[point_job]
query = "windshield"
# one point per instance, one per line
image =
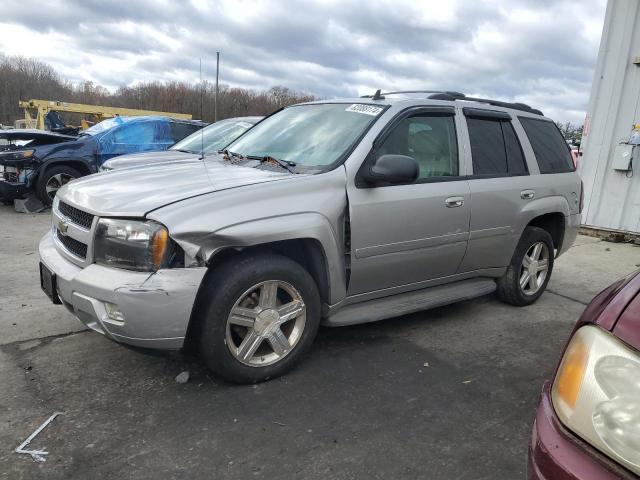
(312, 135)
(104, 125)
(214, 137)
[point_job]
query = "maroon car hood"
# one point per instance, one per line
(628, 326)
(617, 309)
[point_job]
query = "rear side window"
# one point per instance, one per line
(182, 130)
(549, 146)
(138, 133)
(495, 149)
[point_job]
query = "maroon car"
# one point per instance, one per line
(588, 420)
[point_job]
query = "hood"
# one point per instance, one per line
(137, 159)
(137, 191)
(627, 327)
(34, 136)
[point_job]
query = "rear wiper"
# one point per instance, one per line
(286, 164)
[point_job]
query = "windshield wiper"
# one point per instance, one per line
(229, 154)
(288, 165)
(183, 151)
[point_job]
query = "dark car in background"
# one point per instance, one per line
(587, 425)
(44, 168)
(211, 139)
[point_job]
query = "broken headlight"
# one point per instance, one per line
(16, 155)
(596, 394)
(131, 244)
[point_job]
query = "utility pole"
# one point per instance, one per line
(215, 98)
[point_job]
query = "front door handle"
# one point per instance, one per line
(453, 202)
(527, 194)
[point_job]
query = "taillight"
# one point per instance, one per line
(581, 196)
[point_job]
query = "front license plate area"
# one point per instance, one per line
(48, 284)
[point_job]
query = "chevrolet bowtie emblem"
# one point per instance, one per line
(63, 227)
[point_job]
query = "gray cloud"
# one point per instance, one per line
(542, 52)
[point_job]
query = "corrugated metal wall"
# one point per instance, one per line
(612, 199)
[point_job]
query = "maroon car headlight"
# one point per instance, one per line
(596, 394)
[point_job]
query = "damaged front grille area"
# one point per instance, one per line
(83, 219)
(75, 247)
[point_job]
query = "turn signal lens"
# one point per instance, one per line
(159, 246)
(571, 372)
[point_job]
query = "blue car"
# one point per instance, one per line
(45, 162)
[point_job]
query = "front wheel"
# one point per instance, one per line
(52, 180)
(530, 269)
(261, 315)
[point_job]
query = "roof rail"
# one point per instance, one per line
(452, 96)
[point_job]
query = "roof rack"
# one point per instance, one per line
(452, 96)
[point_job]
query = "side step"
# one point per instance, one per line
(410, 302)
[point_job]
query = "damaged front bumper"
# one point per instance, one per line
(14, 183)
(155, 307)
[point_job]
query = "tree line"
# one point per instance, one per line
(571, 132)
(23, 78)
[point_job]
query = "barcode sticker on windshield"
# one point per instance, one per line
(366, 109)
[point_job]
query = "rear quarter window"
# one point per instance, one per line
(549, 146)
(182, 130)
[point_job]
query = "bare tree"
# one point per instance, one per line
(25, 78)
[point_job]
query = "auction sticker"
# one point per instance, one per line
(366, 109)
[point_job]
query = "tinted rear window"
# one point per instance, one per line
(515, 157)
(487, 147)
(548, 145)
(495, 148)
(182, 130)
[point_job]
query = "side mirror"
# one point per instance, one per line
(391, 170)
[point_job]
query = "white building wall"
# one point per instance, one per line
(612, 199)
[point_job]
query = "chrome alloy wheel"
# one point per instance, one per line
(534, 269)
(266, 323)
(56, 182)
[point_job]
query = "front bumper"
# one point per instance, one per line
(156, 306)
(555, 454)
(12, 191)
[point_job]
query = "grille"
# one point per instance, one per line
(79, 249)
(78, 217)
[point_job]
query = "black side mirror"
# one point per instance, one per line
(391, 170)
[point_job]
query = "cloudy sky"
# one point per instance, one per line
(540, 52)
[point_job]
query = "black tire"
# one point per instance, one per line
(226, 285)
(45, 177)
(509, 288)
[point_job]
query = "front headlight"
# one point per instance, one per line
(16, 154)
(131, 244)
(596, 394)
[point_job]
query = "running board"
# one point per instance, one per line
(410, 302)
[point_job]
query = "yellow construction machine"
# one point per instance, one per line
(36, 110)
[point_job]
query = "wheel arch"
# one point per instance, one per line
(307, 252)
(548, 213)
(80, 165)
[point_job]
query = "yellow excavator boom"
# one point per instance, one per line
(42, 107)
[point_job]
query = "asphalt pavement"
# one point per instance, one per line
(444, 394)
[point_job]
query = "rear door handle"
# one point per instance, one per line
(453, 202)
(527, 194)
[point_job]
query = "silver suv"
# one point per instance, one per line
(336, 212)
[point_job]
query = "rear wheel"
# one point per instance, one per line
(528, 274)
(261, 315)
(52, 180)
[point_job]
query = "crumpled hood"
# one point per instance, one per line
(146, 158)
(133, 192)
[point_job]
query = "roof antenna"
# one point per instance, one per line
(377, 95)
(201, 115)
